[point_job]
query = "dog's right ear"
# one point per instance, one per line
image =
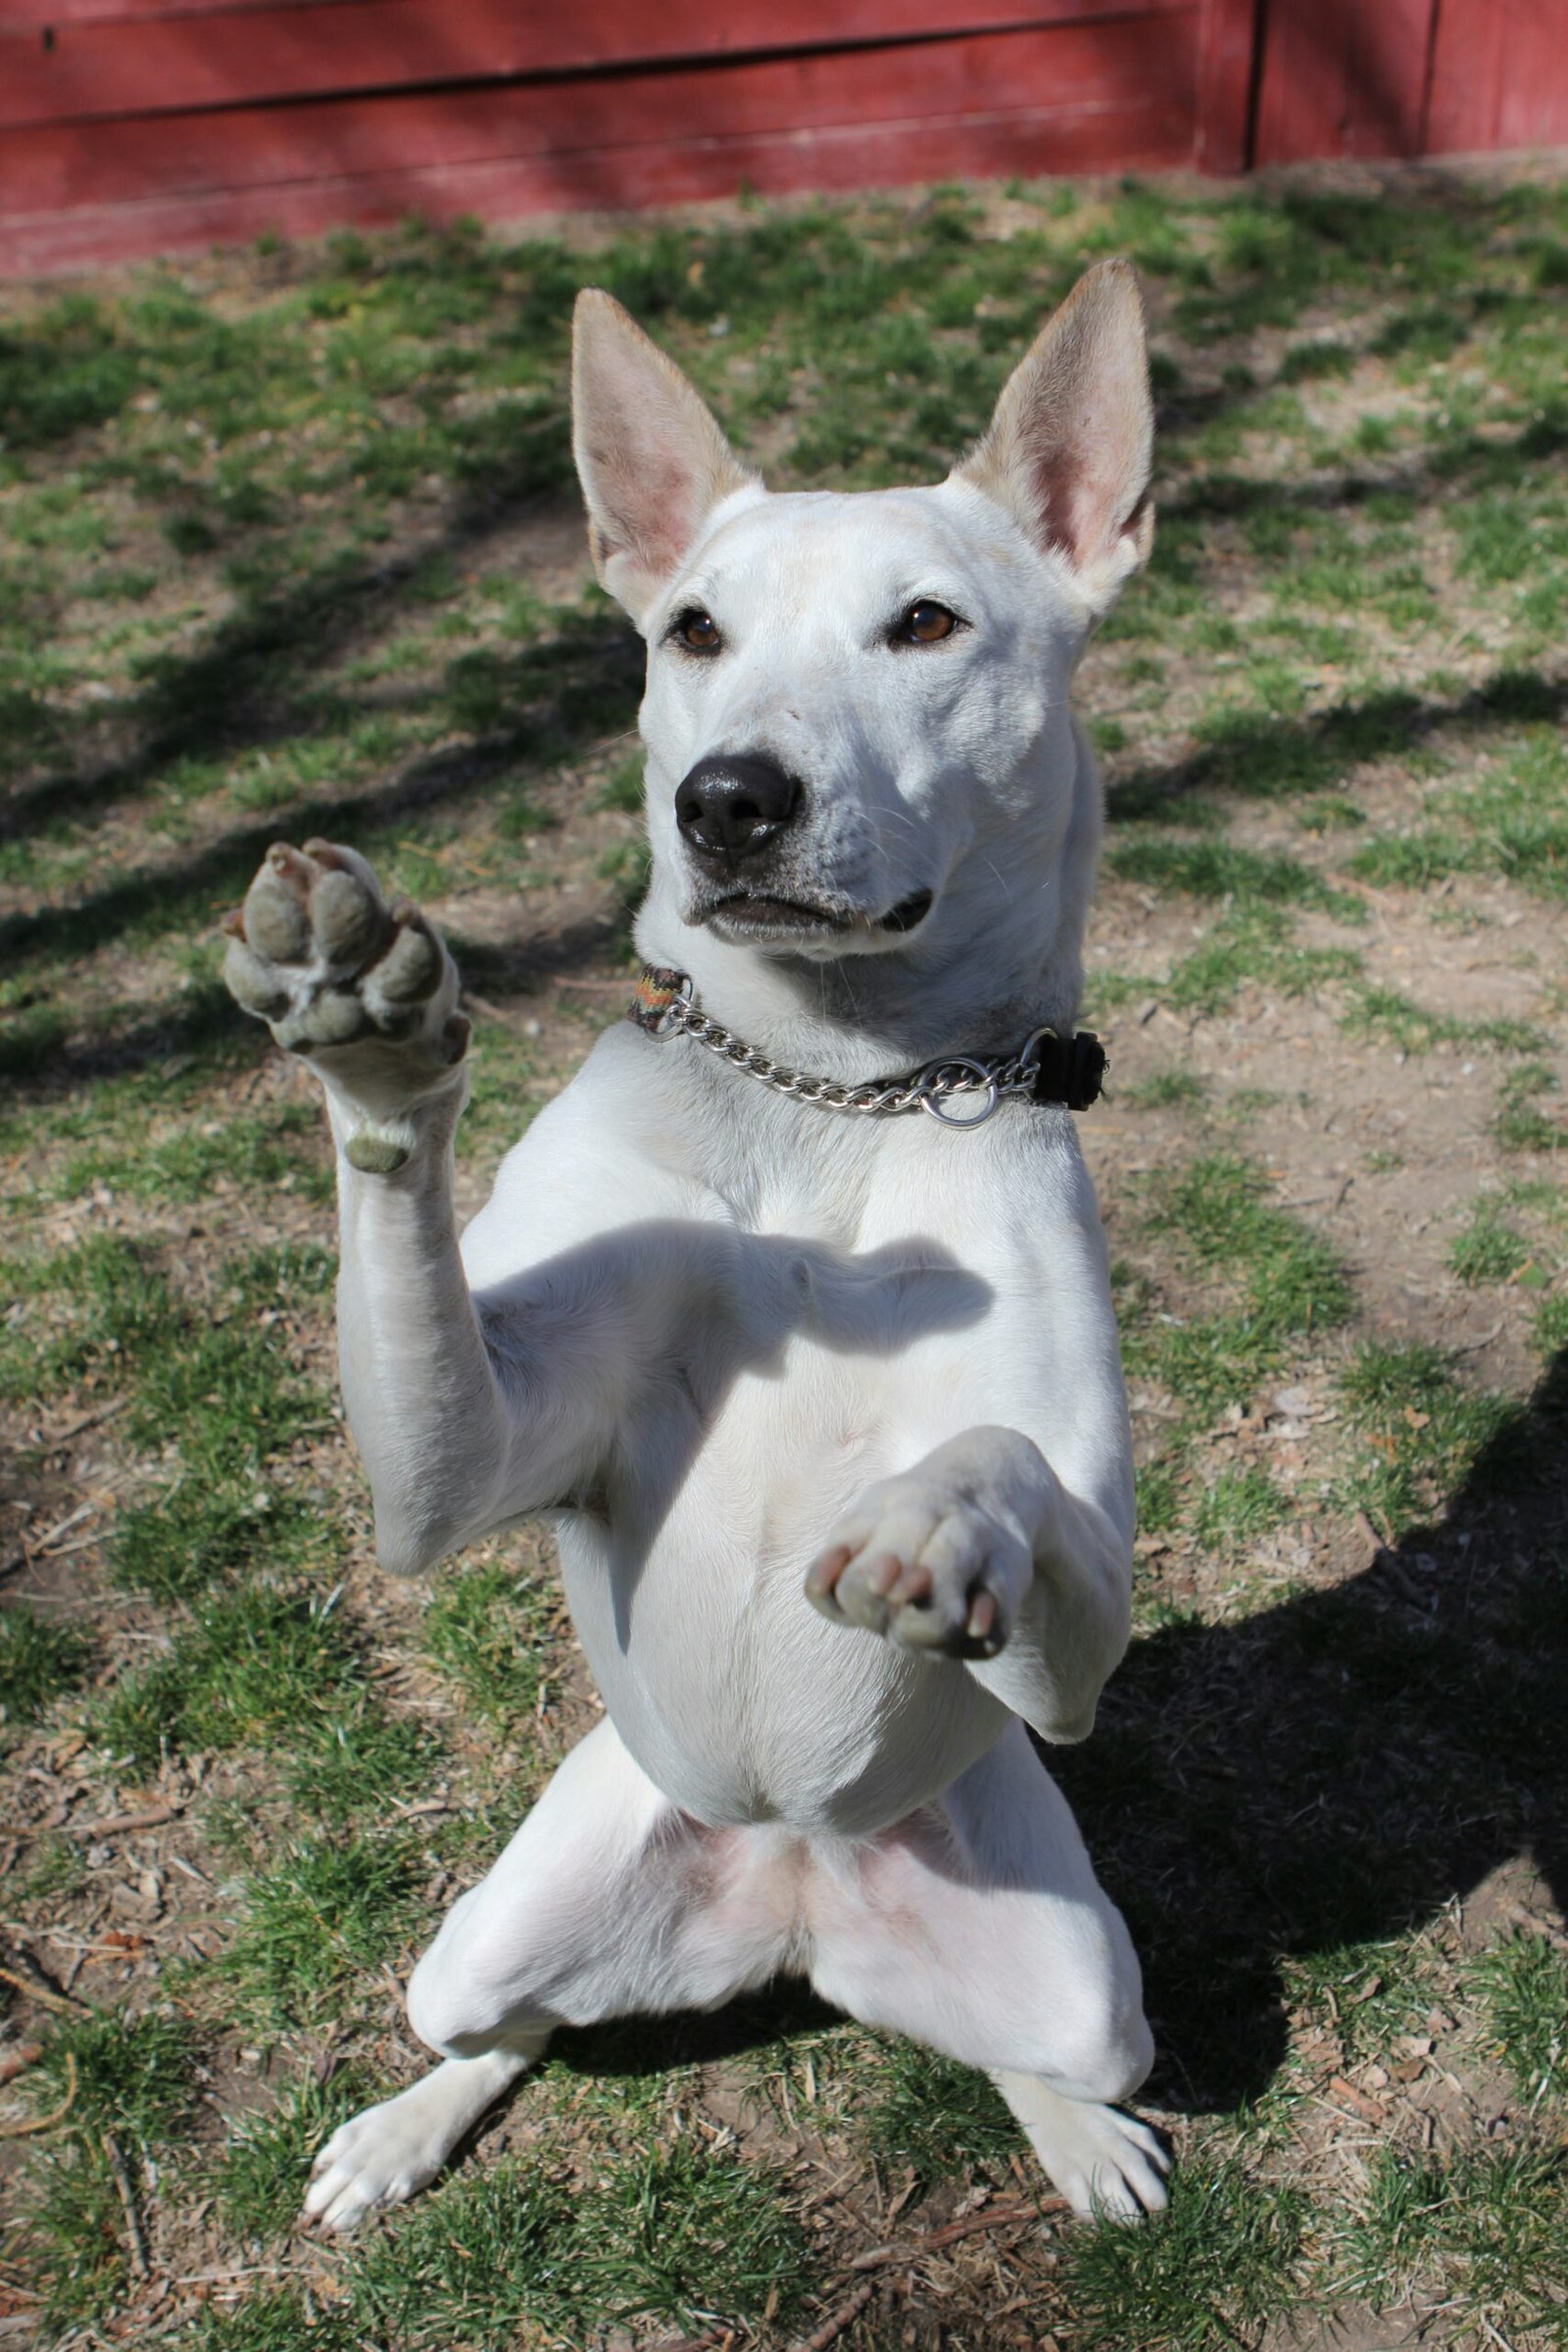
(653, 462)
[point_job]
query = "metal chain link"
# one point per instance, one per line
(927, 1089)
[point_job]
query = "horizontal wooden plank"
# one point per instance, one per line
(590, 34)
(33, 15)
(1121, 65)
(1151, 135)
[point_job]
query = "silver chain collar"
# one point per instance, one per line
(931, 1088)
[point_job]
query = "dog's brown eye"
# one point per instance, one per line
(926, 623)
(698, 632)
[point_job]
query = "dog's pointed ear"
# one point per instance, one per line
(652, 462)
(1069, 448)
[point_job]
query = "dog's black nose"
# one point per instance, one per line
(734, 803)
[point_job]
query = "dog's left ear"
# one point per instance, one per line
(1069, 448)
(653, 464)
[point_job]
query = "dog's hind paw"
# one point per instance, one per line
(1108, 2165)
(928, 1566)
(366, 992)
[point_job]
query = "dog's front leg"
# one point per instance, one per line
(980, 1554)
(453, 1439)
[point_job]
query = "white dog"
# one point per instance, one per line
(823, 1401)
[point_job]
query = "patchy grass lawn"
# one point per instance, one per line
(290, 547)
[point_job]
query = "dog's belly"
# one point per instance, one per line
(735, 1697)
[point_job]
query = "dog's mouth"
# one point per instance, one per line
(909, 914)
(749, 914)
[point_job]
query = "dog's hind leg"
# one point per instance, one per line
(977, 1926)
(608, 1902)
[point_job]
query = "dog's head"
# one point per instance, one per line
(856, 715)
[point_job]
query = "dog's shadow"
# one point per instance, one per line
(1329, 1772)
(1336, 1770)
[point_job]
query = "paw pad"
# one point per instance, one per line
(316, 952)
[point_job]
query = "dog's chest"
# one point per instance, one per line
(828, 1360)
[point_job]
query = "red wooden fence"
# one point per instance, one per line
(136, 126)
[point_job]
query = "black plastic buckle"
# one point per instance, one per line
(1069, 1070)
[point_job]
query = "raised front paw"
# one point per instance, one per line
(366, 991)
(926, 1564)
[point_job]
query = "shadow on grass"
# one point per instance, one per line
(1264, 757)
(1334, 1771)
(1472, 461)
(638, 2046)
(46, 1053)
(558, 696)
(255, 679)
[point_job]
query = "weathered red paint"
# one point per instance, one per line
(138, 126)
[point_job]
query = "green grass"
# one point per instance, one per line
(74, 2228)
(319, 1917)
(40, 1659)
(1274, 1284)
(1237, 1510)
(247, 1667)
(1384, 1014)
(286, 1148)
(209, 1370)
(1159, 1497)
(1524, 1122)
(1364, 1995)
(1422, 1431)
(269, 2320)
(135, 2074)
(1254, 945)
(260, 2176)
(933, 2114)
(1220, 869)
(1550, 1334)
(1168, 1090)
(1490, 1248)
(133, 2077)
(1483, 2231)
(470, 2264)
(483, 1627)
(1502, 814)
(354, 1758)
(1523, 1989)
(670, 2232)
(200, 1535)
(1219, 2264)
(676, 2232)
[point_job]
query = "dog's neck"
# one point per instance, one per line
(998, 957)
